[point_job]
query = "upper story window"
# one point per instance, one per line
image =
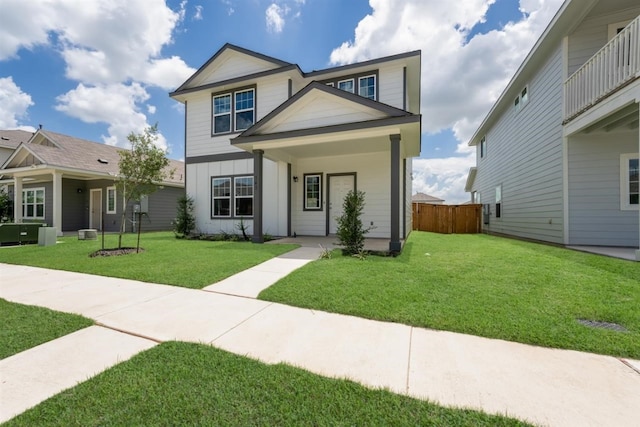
(363, 84)
(233, 110)
(483, 147)
(629, 181)
(522, 99)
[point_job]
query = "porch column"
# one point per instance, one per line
(258, 237)
(638, 250)
(17, 199)
(57, 202)
(394, 243)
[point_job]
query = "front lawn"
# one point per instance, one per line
(190, 384)
(166, 260)
(481, 285)
(25, 326)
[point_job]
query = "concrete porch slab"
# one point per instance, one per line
(541, 385)
(372, 353)
(629, 254)
(43, 371)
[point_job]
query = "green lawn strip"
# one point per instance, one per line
(166, 260)
(481, 285)
(190, 384)
(25, 326)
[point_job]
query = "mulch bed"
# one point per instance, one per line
(115, 252)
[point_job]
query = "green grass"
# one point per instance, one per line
(25, 326)
(166, 260)
(191, 384)
(481, 285)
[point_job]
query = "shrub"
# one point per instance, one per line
(185, 222)
(350, 230)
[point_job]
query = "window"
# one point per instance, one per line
(244, 109)
(244, 195)
(232, 196)
(483, 147)
(499, 201)
(233, 111)
(522, 99)
(33, 203)
(222, 113)
(367, 87)
(313, 192)
(346, 85)
(111, 200)
(629, 181)
(221, 196)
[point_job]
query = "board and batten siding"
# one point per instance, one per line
(524, 156)
(372, 177)
(591, 35)
(595, 217)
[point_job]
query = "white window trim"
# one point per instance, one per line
(624, 182)
(313, 208)
(352, 80)
(44, 203)
(483, 147)
(522, 99)
(236, 197)
(115, 200)
(236, 111)
(230, 113)
(214, 197)
(375, 85)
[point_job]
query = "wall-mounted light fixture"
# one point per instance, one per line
(295, 179)
(79, 190)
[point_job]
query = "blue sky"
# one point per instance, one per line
(100, 69)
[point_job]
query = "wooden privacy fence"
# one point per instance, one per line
(447, 219)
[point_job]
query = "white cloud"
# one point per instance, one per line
(151, 109)
(13, 105)
(115, 104)
(229, 6)
(444, 178)
(275, 18)
(197, 16)
(461, 78)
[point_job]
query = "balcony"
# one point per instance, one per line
(613, 67)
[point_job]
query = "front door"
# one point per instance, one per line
(339, 186)
(95, 209)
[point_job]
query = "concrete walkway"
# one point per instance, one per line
(540, 385)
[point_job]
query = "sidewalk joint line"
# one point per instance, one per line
(624, 362)
(241, 323)
(133, 334)
(409, 358)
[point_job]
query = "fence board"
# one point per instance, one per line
(447, 219)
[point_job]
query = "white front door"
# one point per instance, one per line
(95, 208)
(339, 186)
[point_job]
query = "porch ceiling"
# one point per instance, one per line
(625, 118)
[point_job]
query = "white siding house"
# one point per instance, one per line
(557, 155)
(278, 148)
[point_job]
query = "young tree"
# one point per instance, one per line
(142, 169)
(6, 206)
(185, 222)
(350, 229)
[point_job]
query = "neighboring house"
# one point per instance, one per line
(9, 141)
(69, 183)
(557, 155)
(279, 148)
(426, 199)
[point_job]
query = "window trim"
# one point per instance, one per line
(353, 82)
(483, 147)
(236, 197)
(522, 99)
(232, 123)
(625, 204)
(375, 86)
(115, 200)
(236, 111)
(214, 115)
(334, 82)
(305, 207)
(44, 203)
(232, 196)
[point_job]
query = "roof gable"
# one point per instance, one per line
(319, 105)
(231, 62)
(13, 138)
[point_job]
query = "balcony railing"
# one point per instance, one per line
(614, 66)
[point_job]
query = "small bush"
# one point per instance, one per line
(350, 229)
(185, 222)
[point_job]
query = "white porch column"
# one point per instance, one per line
(57, 202)
(17, 199)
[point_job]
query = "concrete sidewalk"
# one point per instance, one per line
(539, 385)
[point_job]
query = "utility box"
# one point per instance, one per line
(87, 234)
(47, 236)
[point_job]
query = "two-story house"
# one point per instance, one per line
(557, 155)
(278, 148)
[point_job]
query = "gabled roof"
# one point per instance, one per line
(377, 110)
(13, 138)
(425, 198)
(57, 150)
(277, 63)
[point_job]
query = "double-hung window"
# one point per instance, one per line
(499, 201)
(232, 196)
(111, 200)
(367, 87)
(629, 181)
(313, 192)
(233, 111)
(33, 203)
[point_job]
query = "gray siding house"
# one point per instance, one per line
(557, 155)
(69, 183)
(279, 148)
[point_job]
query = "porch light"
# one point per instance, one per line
(295, 179)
